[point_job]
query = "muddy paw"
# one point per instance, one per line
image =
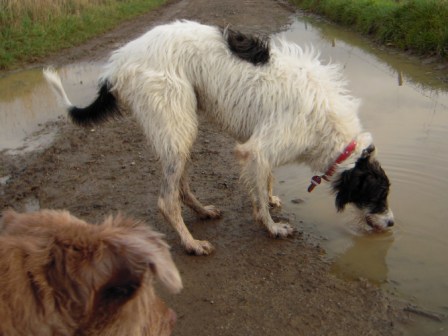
(199, 247)
(281, 230)
(210, 212)
(275, 202)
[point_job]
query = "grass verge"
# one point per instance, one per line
(31, 29)
(420, 26)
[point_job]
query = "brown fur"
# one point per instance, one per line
(62, 276)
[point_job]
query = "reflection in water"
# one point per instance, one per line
(400, 78)
(26, 102)
(405, 107)
(415, 73)
(366, 258)
(20, 93)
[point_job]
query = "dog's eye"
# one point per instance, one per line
(76, 248)
(119, 293)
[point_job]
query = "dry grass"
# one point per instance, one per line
(13, 11)
(31, 29)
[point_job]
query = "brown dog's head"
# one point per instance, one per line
(89, 279)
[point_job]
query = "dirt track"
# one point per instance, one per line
(252, 284)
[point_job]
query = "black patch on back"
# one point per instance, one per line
(103, 108)
(247, 47)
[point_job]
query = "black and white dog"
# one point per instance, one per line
(278, 101)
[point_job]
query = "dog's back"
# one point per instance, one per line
(246, 84)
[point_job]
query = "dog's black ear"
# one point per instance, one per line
(343, 188)
(341, 201)
(342, 193)
(367, 152)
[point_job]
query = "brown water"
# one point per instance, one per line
(405, 106)
(26, 104)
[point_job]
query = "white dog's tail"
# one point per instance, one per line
(104, 107)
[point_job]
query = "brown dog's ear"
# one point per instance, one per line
(120, 285)
(142, 248)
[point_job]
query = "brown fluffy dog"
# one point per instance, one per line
(62, 276)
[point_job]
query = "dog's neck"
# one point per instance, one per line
(348, 150)
(346, 159)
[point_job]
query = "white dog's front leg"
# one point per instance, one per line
(262, 215)
(255, 173)
(274, 201)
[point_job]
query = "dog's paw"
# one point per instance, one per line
(210, 212)
(199, 247)
(275, 202)
(281, 230)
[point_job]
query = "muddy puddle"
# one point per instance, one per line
(405, 107)
(26, 105)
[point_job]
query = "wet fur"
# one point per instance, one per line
(63, 276)
(276, 99)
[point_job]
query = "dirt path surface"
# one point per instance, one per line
(252, 284)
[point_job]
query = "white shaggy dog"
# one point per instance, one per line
(276, 99)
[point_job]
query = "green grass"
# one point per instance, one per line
(420, 26)
(28, 32)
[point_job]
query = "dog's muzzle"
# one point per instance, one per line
(380, 221)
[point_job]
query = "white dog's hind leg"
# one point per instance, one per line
(165, 105)
(204, 212)
(255, 173)
(169, 205)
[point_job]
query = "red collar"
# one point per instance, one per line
(316, 180)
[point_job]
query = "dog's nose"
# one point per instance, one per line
(390, 222)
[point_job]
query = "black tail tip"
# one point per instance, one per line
(103, 108)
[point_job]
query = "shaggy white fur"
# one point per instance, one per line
(291, 109)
